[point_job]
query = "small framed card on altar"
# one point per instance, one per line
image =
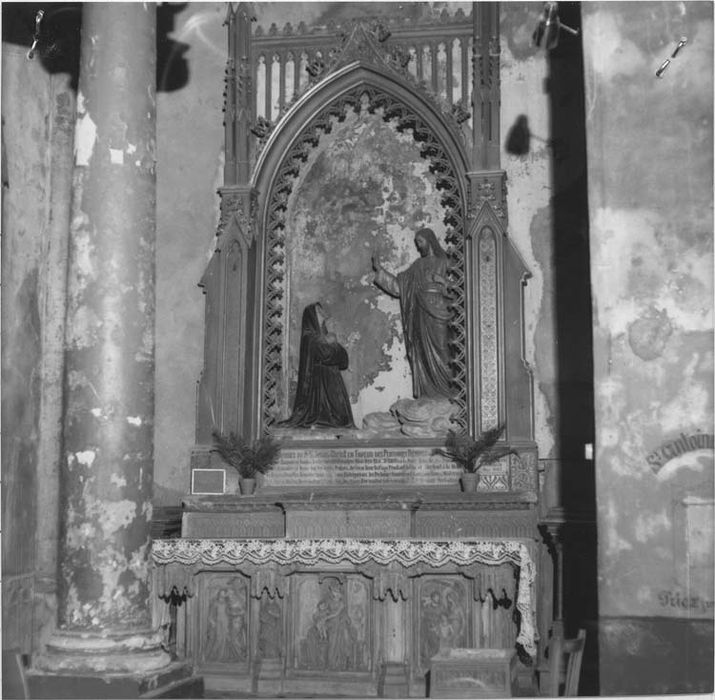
(208, 481)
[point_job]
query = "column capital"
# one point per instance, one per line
(488, 187)
(241, 202)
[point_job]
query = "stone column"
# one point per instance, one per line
(54, 280)
(106, 477)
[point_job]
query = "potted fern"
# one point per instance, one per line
(472, 453)
(248, 458)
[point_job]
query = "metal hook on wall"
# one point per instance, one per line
(36, 37)
(549, 27)
(661, 70)
(680, 45)
(659, 73)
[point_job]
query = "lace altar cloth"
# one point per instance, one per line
(434, 554)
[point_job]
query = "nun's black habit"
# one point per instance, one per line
(321, 398)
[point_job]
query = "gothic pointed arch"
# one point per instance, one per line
(330, 96)
(354, 87)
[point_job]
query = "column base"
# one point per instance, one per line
(173, 681)
(114, 665)
(91, 653)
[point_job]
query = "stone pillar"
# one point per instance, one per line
(106, 477)
(54, 277)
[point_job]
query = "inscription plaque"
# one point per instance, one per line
(362, 466)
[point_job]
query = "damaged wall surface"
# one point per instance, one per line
(650, 198)
(38, 125)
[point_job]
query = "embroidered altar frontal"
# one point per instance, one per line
(327, 615)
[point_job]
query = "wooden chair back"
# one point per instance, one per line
(14, 681)
(569, 651)
(573, 649)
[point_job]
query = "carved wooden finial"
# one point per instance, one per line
(230, 13)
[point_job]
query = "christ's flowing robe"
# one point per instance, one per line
(425, 319)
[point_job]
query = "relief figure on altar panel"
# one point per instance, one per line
(270, 635)
(429, 628)
(443, 619)
(315, 644)
(226, 639)
(424, 305)
(321, 399)
(340, 632)
(331, 642)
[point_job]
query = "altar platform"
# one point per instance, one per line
(433, 511)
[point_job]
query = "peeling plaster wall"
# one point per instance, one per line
(25, 202)
(32, 106)
(650, 195)
(548, 221)
(524, 70)
(189, 172)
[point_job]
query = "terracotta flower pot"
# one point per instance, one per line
(469, 482)
(246, 486)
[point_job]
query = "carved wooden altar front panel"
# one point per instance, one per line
(316, 615)
(331, 628)
(332, 623)
(453, 613)
(225, 569)
(224, 621)
(443, 617)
